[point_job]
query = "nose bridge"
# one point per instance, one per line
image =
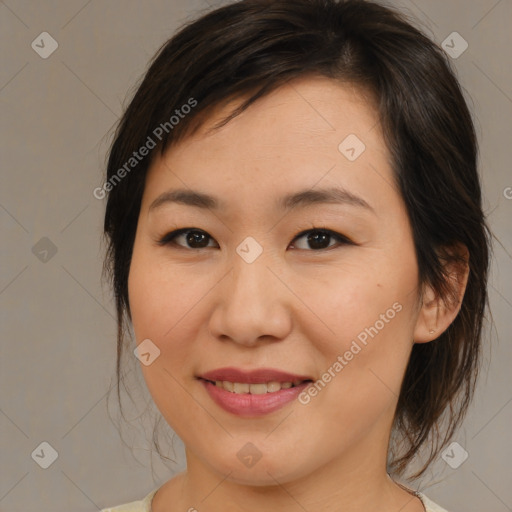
(251, 280)
(250, 274)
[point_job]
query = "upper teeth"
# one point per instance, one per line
(254, 389)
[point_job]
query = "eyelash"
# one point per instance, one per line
(168, 239)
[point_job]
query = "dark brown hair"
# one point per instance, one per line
(249, 48)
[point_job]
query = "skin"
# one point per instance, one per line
(295, 308)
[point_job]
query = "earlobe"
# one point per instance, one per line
(436, 312)
(427, 325)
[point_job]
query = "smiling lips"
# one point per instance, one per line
(254, 392)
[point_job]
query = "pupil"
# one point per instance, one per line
(313, 239)
(194, 237)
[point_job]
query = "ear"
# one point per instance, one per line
(436, 314)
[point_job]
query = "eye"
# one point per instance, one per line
(318, 237)
(198, 239)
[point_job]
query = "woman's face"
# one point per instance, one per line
(242, 290)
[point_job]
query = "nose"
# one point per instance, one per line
(252, 304)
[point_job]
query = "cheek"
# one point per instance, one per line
(362, 368)
(161, 297)
(362, 334)
(360, 301)
(167, 306)
(163, 306)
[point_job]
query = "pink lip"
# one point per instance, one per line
(246, 404)
(256, 376)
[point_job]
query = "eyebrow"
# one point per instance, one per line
(303, 198)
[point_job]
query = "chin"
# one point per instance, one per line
(267, 471)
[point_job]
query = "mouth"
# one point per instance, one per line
(260, 388)
(253, 393)
(259, 381)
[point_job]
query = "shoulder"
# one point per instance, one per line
(143, 505)
(430, 506)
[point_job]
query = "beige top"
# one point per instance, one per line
(144, 505)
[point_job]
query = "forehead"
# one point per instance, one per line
(307, 109)
(292, 138)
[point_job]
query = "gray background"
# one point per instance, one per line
(57, 327)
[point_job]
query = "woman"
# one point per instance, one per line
(296, 236)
